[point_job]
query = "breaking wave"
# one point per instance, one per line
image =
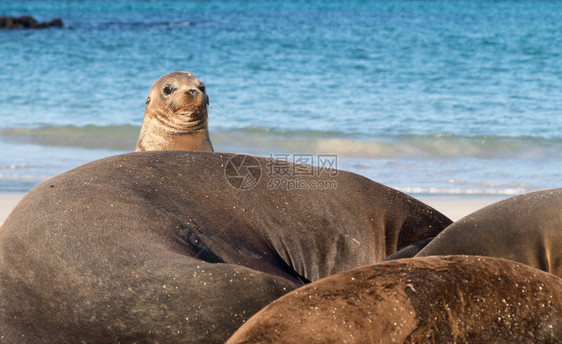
(259, 140)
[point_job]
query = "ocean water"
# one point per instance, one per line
(430, 97)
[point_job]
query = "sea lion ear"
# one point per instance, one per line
(204, 91)
(147, 101)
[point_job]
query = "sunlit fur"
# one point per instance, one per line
(178, 120)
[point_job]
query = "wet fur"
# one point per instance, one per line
(158, 246)
(525, 228)
(453, 299)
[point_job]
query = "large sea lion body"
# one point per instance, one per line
(159, 245)
(525, 228)
(175, 115)
(453, 299)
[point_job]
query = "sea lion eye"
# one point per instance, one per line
(168, 89)
(202, 89)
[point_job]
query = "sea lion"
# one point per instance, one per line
(175, 115)
(145, 246)
(450, 299)
(525, 228)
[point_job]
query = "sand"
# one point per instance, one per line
(453, 208)
(458, 208)
(7, 203)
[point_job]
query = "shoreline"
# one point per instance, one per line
(457, 208)
(7, 202)
(453, 207)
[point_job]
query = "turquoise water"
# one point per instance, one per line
(431, 97)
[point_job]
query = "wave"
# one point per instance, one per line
(23, 176)
(150, 24)
(181, 24)
(126, 25)
(13, 167)
(472, 188)
(263, 141)
(118, 137)
(445, 146)
(466, 192)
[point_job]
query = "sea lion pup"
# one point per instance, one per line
(450, 299)
(175, 115)
(525, 228)
(159, 246)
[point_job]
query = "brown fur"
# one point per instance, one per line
(158, 246)
(525, 228)
(453, 299)
(178, 120)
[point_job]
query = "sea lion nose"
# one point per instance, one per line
(192, 91)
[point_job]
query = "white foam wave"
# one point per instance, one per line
(263, 141)
(461, 192)
(12, 167)
(182, 24)
(23, 176)
(491, 185)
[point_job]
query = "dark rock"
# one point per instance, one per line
(53, 23)
(27, 22)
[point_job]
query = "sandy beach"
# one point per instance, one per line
(457, 208)
(7, 203)
(453, 208)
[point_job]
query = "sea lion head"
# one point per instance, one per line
(178, 102)
(175, 115)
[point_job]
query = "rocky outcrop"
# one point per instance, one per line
(27, 22)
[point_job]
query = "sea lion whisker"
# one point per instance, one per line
(233, 123)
